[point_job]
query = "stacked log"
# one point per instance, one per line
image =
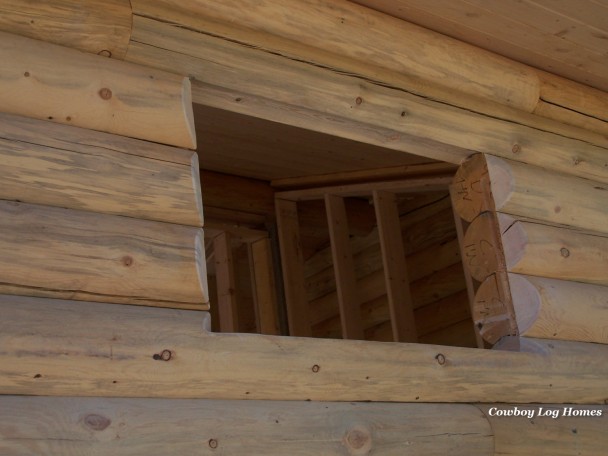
(536, 247)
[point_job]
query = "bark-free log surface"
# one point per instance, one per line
(121, 427)
(550, 251)
(63, 253)
(560, 309)
(98, 26)
(493, 312)
(59, 165)
(52, 347)
(486, 183)
(47, 81)
(251, 81)
(482, 249)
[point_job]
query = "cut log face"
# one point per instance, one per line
(482, 249)
(64, 253)
(492, 310)
(46, 81)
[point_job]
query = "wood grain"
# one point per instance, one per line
(52, 347)
(47, 81)
(76, 426)
(59, 165)
(63, 253)
(97, 26)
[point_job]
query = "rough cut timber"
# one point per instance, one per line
(47, 81)
(537, 249)
(488, 183)
(558, 309)
(97, 26)
(62, 253)
(51, 349)
(123, 427)
(59, 165)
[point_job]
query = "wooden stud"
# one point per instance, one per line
(400, 303)
(293, 267)
(226, 286)
(344, 268)
(264, 284)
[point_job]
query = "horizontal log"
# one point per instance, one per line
(63, 253)
(351, 31)
(560, 309)
(487, 183)
(59, 165)
(59, 426)
(551, 251)
(47, 81)
(98, 26)
(559, 430)
(52, 347)
(251, 81)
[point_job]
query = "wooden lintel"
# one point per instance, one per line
(401, 307)
(52, 347)
(344, 268)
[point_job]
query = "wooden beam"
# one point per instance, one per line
(394, 118)
(559, 309)
(413, 185)
(396, 276)
(265, 288)
(97, 26)
(46, 81)
(53, 347)
(349, 304)
(537, 249)
(368, 175)
(351, 32)
(292, 265)
(530, 191)
(63, 253)
(59, 165)
(226, 285)
(59, 426)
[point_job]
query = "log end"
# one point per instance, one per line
(468, 188)
(196, 185)
(481, 247)
(201, 267)
(190, 140)
(491, 310)
(526, 302)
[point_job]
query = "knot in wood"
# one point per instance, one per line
(165, 355)
(565, 252)
(358, 100)
(358, 441)
(105, 53)
(440, 359)
(96, 422)
(516, 148)
(213, 443)
(105, 93)
(316, 368)
(127, 260)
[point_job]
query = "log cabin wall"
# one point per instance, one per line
(164, 370)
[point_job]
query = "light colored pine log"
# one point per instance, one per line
(346, 283)
(551, 251)
(396, 275)
(47, 81)
(62, 253)
(292, 265)
(561, 436)
(52, 347)
(493, 312)
(58, 165)
(265, 287)
(560, 309)
(98, 26)
(482, 248)
(129, 427)
(226, 283)
(237, 79)
(530, 191)
(368, 175)
(351, 31)
(566, 115)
